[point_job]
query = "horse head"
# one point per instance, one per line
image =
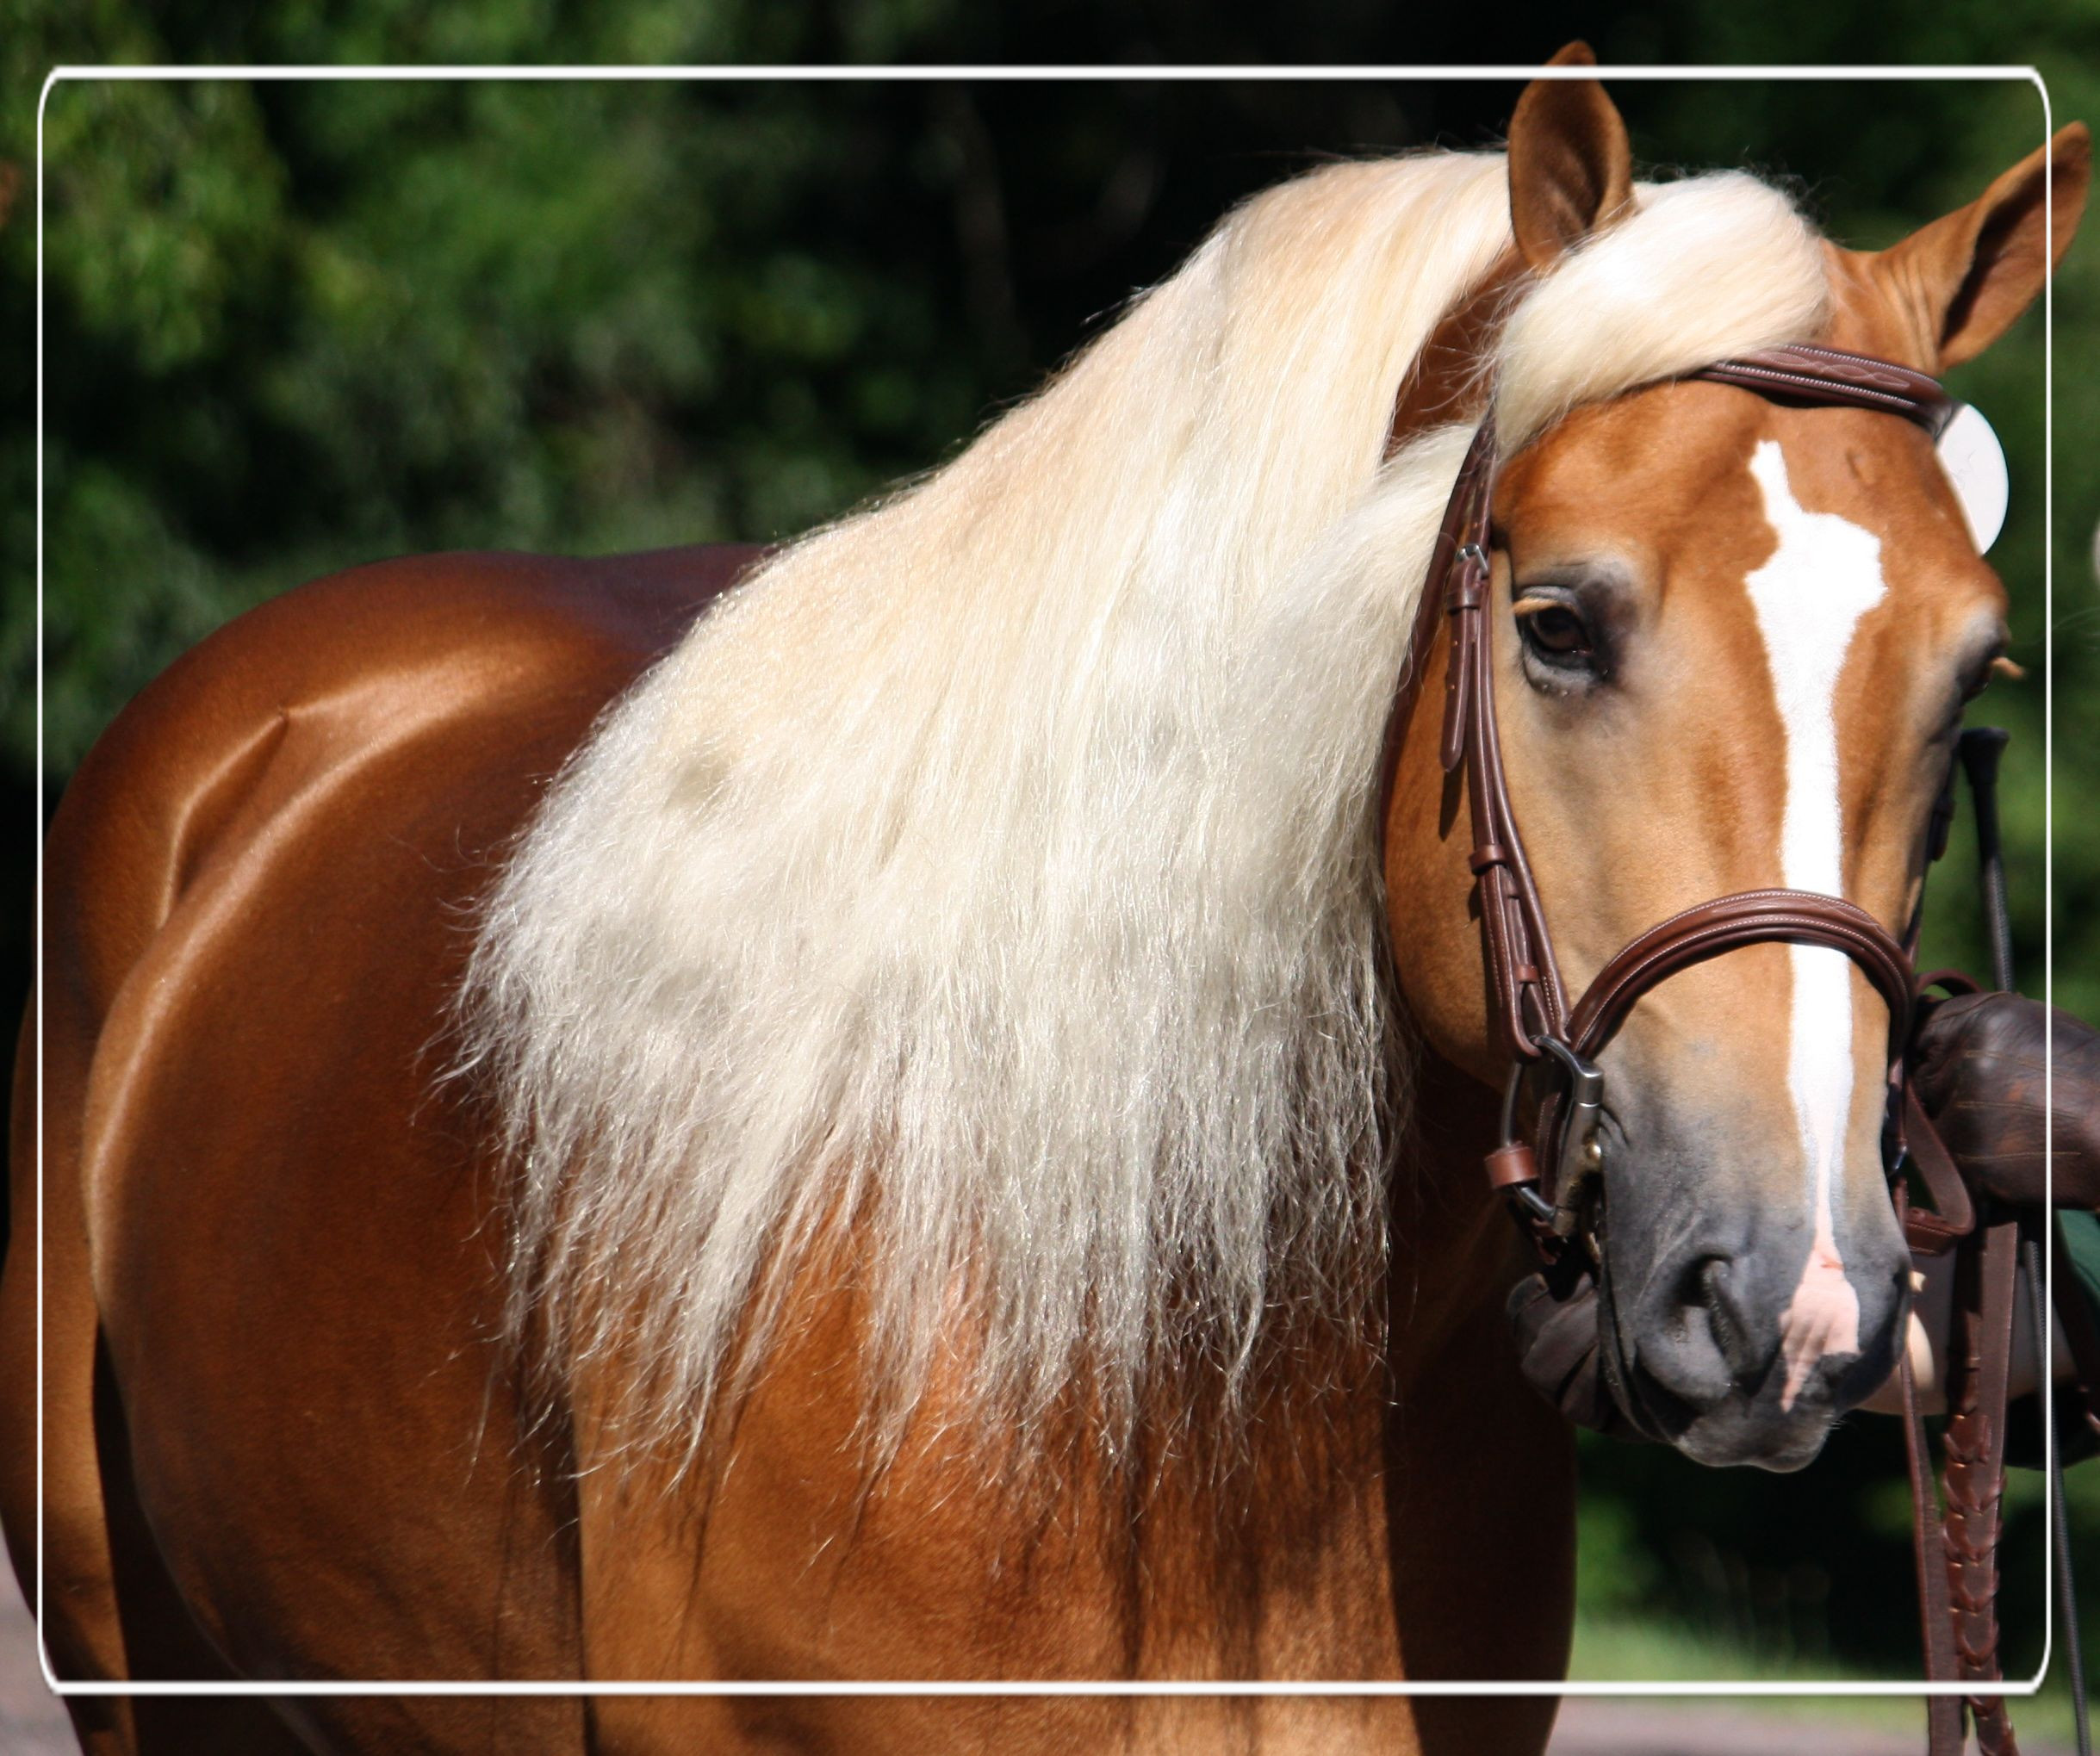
(1731, 638)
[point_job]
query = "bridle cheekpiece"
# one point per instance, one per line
(1532, 1020)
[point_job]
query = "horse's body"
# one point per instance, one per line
(925, 1189)
(261, 884)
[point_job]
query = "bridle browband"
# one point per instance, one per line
(1536, 1027)
(1530, 1018)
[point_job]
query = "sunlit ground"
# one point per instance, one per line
(1623, 1651)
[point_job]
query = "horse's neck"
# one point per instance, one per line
(1450, 1248)
(1476, 1470)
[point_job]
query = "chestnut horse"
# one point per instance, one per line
(900, 1128)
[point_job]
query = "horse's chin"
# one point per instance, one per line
(1730, 1436)
(1739, 1431)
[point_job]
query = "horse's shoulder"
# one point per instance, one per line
(482, 659)
(260, 893)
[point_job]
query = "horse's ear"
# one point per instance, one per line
(1969, 274)
(1571, 169)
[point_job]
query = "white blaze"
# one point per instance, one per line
(1809, 597)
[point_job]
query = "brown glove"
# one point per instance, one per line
(1556, 1347)
(1977, 1066)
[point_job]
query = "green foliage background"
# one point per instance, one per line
(291, 327)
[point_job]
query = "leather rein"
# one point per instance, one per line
(1536, 1026)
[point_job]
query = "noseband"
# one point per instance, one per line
(1530, 1017)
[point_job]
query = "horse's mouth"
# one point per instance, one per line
(1751, 1423)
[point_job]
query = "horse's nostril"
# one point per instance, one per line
(1709, 1339)
(1730, 1334)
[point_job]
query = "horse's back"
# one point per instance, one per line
(270, 1252)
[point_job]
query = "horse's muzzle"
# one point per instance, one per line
(1742, 1351)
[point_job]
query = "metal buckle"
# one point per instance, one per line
(1585, 1078)
(1585, 1109)
(1586, 1105)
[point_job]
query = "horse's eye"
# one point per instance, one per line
(1553, 631)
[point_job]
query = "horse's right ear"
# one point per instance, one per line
(1570, 168)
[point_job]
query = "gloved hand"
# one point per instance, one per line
(1977, 1067)
(1976, 1064)
(1556, 1343)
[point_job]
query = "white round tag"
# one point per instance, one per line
(1975, 463)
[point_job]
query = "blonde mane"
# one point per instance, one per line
(992, 879)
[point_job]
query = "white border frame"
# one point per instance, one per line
(1091, 75)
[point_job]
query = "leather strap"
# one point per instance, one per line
(1954, 1215)
(1523, 986)
(1943, 1730)
(1825, 375)
(1750, 917)
(1974, 1444)
(1727, 923)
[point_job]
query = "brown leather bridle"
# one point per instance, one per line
(1535, 1027)
(1530, 1017)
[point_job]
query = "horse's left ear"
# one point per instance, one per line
(1570, 168)
(1969, 274)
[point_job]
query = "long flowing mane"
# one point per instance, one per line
(990, 884)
